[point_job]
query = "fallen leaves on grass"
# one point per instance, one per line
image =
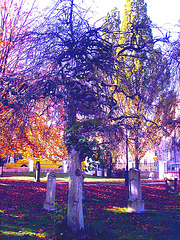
(22, 203)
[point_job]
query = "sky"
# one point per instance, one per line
(160, 11)
(164, 13)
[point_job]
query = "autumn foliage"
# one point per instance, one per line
(27, 127)
(41, 134)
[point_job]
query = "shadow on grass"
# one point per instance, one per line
(117, 223)
(150, 225)
(25, 224)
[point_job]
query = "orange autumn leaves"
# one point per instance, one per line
(35, 133)
(32, 129)
(45, 135)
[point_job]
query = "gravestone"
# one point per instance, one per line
(135, 202)
(171, 185)
(1, 167)
(49, 204)
(37, 171)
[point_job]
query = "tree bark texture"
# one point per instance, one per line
(136, 152)
(1, 171)
(75, 209)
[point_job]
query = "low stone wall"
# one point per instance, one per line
(26, 169)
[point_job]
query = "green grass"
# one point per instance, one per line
(43, 174)
(59, 176)
(64, 177)
(104, 219)
(149, 225)
(22, 224)
(32, 174)
(117, 223)
(111, 224)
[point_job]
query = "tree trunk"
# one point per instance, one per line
(127, 168)
(1, 171)
(75, 210)
(136, 153)
(75, 219)
(109, 170)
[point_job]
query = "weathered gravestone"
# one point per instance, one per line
(37, 171)
(171, 185)
(1, 167)
(135, 202)
(49, 204)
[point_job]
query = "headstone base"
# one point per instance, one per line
(136, 206)
(50, 206)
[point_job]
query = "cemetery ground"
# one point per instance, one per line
(105, 210)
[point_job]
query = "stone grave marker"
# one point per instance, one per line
(49, 204)
(1, 167)
(171, 185)
(135, 202)
(37, 171)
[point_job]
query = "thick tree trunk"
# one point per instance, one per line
(75, 210)
(1, 171)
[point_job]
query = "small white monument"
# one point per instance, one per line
(49, 204)
(135, 202)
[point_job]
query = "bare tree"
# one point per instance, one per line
(70, 53)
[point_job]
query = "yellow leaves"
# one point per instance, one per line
(47, 138)
(33, 139)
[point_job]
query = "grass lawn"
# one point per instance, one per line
(105, 214)
(59, 177)
(63, 176)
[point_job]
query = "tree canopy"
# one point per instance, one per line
(142, 77)
(98, 79)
